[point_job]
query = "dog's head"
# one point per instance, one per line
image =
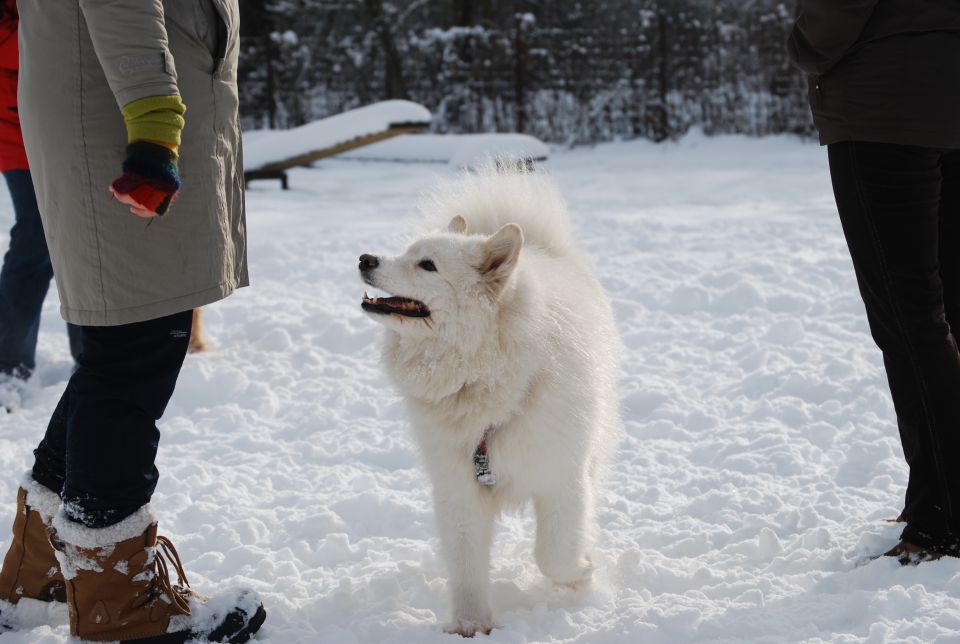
(445, 284)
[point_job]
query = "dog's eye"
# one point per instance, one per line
(427, 265)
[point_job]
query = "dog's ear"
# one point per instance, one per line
(502, 250)
(458, 225)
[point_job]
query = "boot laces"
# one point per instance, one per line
(165, 557)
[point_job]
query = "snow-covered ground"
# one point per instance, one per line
(759, 459)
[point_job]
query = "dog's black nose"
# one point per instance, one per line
(368, 262)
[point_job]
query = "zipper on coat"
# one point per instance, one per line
(815, 92)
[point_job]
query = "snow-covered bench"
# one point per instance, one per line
(459, 150)
(268, 154)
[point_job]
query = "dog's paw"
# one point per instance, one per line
(468, 628)
(574, 586)
(575, 575)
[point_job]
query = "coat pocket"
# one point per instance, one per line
(228, 38)
(201, 21)
(815, 91)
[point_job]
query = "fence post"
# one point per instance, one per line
(521, 21)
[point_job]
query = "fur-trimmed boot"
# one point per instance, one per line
(910, 554)
(119, 588)
(30, 568)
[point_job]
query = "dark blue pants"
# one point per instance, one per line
(900, 210)
(101, 443)
(24, 281)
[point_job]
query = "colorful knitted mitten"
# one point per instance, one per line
(149, 176)
(150, 180)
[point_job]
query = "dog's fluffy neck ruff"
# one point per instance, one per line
(458, 378)
(435, 368)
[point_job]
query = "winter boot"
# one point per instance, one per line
(910, 554)
(12, 384)
(30, 569)
(119, 588)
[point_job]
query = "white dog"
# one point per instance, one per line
(503, 343)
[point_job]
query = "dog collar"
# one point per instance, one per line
(481, 461)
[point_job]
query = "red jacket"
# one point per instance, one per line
(12, 155)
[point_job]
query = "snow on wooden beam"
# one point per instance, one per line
(271, 152)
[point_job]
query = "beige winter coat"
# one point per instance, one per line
(80, 62)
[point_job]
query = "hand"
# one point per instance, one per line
(149, 181)
(135, 207)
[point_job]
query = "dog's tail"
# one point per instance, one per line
(496, 194)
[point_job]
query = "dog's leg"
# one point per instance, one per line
(198, 343)
(465, 518)
(564, 518)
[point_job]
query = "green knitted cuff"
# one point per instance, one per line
(155, 118)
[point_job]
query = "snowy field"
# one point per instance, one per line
(758, 465)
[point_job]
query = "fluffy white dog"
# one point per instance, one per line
(503, 343)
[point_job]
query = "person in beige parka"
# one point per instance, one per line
(129, 116)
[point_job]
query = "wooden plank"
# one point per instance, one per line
(255, 175)
(395, 129)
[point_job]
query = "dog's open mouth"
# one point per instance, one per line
(395, 305)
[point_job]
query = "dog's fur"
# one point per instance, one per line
(520, 338)
(198, 342)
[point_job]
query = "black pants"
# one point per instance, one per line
(101, 443)
(900, 210)
(24, 279)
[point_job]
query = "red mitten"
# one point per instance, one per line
(150, 180)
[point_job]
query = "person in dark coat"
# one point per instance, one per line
(884, 79)
(26, 272)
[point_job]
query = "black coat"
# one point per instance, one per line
(885, 71)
